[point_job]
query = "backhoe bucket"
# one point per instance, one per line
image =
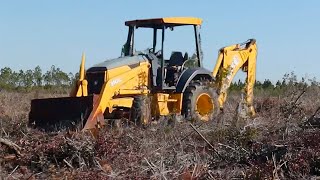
(54, 114)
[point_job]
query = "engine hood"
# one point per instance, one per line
(118, 62)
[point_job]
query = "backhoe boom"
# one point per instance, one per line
(230, 60)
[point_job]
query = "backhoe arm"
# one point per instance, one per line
(230, 60)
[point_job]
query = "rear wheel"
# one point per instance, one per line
(140, 112)
(200, 102)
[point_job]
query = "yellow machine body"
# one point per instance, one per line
(112, 86)
(120, 85)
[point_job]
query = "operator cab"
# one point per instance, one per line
(167, 66)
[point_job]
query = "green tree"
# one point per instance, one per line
(28, 79)
(37, 76)
(267, 84)
(48, 77)
(72, 79)
(20, 78)
(60, 78)
(233, 86)
(14, 80)
(5, 76)
(278, 84)
(240, 84)
(258, 85)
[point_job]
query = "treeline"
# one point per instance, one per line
(288, 80)
(35, 79)
(55, 79)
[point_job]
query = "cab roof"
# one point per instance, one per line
(169, 21)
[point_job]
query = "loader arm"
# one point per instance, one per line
(111, 88)
(229, 62)
(80, 88)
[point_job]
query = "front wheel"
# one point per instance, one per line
(200, 102)
(140, 112)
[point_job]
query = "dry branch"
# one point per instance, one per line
(220, 144)
(194, 128)
(295, 102)
(14, 170)
(11, 145)
(67, 163)
(315, 113)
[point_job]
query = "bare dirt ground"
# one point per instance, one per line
(282, 142)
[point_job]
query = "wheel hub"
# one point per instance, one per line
(204, 106)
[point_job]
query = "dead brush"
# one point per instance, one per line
(59, 150)
(258, 149)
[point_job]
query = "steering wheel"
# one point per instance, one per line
(150, 50)
(158, 54)
(183, 65)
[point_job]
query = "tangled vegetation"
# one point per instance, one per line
(282, 142)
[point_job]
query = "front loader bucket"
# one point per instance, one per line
(54, 114)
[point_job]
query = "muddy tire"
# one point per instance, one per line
(200, 102)
(140, 113)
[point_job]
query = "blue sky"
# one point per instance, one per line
(45, 33)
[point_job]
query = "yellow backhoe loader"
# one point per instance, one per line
(144, 84)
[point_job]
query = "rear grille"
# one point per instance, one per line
(95, 81)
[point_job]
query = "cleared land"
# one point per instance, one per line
(282, 142)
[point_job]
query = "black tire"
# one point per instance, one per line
(196, 91)
(140, 112)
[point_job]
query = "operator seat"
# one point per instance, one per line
(175, 62)
(176, 59)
